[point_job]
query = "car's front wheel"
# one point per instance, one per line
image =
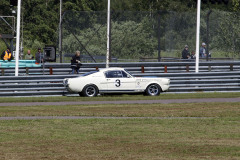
(89, 91)
(153, 90)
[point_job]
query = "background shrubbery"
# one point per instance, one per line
(134, 34)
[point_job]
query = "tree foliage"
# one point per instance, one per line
(41, 21)
(124, 41)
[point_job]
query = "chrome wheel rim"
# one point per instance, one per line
(90, 91)
(153, 90)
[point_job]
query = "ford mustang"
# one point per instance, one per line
(115, 80)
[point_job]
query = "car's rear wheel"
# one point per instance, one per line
(89, 91)
(153, 90)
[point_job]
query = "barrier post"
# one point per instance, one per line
(231, 67)
(27, 71)
(142, 69)
(187, 68)
(2, 70)
(50, 70)
(209, 68)
(165, 69)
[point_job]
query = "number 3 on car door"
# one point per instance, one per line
(117, 83)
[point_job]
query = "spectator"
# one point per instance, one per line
(29, 56)
(203, 52)
(185, 53)
(7, 55)
(76, 62)
(39, 56)
(193, 56)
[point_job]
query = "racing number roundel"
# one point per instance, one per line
(117, 83)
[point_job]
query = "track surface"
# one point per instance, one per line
(168, 101)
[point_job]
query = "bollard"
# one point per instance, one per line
(187, 68)
(2, 70)
(50, 70)
(165, 69)
(142, 69)
(231, 67)
(27, 71)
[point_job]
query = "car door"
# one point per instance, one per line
(119, 81)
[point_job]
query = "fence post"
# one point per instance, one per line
(2, 70)
(187, 68)
(231, 67)
(142, 69)
(165, 69)
(50, 70)
(27, 71)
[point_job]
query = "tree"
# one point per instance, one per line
(41, 17)
(227, 36)
(129, 40)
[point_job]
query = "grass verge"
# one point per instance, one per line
(133, 110)
(127, 139)
(120, 139)
(121, 97)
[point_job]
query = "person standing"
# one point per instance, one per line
(185, 53)
(7, 55)
(39, 56)
(76, 62)
(193, 56)
(29, 56)
(203, 52)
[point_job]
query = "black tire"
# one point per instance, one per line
(89, 91)
(80, 94)
(153, 90)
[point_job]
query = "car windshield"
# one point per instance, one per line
(128, 72)
(87, 74)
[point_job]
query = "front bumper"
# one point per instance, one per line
(165, 88)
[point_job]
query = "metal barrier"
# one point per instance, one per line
(135, 67)
(180, 82)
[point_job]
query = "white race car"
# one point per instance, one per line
(115, 80)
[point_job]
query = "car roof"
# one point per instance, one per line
(110, 69)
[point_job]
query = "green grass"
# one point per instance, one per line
(120, 97)
(120, 139)
(217, 137)
(126, 110)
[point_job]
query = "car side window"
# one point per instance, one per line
(108, 75)
(125, 75)
(113, 74)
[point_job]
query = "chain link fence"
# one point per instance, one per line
(7, 29)
(147, 36)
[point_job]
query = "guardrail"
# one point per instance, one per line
(24, 66)
(136, 67)
(180, 82)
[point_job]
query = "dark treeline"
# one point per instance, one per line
(41, 17)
